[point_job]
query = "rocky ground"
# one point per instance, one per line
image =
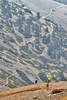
(65, 98)
(36, 92)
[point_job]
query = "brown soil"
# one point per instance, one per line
(65, 98)
(35, 92)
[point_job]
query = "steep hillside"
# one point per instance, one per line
(30, 47)
(55, 11)
(62, 1)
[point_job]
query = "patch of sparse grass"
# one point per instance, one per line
(24, 77)
(7, 42)
(11, 56)
(30, 63)
(36, 62)
(48, 23)
(21, 61)
(19, 39)
(11, 85)
(4, 72)
(1, 54)
(16, 81)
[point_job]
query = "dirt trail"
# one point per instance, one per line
(33, 92)
(65, 98)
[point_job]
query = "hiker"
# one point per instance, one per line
(36, 81)
(48, 83)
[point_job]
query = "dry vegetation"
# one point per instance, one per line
(35, 92)
(65, 98)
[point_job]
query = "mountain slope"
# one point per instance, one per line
(30, 47)
(55, 11)
(62, 1)
(35, 92)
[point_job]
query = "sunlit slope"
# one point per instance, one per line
(50, 9)
(30, 47)
(34, 92)
(62, 1)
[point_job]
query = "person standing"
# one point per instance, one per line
(48, 83)
(36, 81)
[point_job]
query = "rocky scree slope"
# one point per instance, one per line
(30, 47)
(62, 1)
